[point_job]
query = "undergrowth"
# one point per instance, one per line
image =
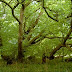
(55, 65)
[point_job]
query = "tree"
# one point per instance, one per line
(40, 20)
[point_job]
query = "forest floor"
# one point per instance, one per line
(51, 66)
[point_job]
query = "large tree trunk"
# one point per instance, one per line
(20, 53)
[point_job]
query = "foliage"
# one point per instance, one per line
(56, 9)
(51, 66)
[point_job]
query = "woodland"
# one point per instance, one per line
(35, 35)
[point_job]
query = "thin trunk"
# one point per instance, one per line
(20, 54)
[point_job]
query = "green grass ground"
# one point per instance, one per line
(50, 66)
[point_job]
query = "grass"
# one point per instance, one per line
(55, 65)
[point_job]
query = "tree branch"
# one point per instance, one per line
(47, 13)
(36, 37)
(6, 3)
(12, 9)
(20, 2)
(63, 43)
(51, 38)
(26, 19)
(27, 3)
(14, 14)
(15, 6)
(35, 23)
(56, 37)
(68, 47)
